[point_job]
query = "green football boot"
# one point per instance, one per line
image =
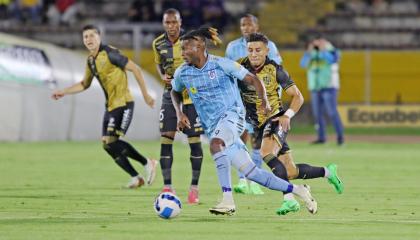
(242, 187)
(255, 189)
(288, 206)
(334, 179)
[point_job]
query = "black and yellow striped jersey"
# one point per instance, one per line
(274, 78)
(108, 66)
(168, 56)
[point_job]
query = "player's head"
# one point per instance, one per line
(172, 22)
(193, 45)
(257, 45)
(249, 24)
(91, 37)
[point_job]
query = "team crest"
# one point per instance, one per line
(266, 80)
(212, 74)
(193, 90)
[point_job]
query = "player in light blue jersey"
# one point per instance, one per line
(211, 83)
(236, 50)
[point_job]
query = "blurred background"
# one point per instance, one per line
(41, 49)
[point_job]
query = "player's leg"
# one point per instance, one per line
(329, 97)
(229, 128)
(242, 161)
(242, 186)
(196, 153)
(112, 145)
(226, 146)
(316, 103)
(129, 150)
(168, 123)
(306, 171)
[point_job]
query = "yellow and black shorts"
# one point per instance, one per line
(117, 121)
(168, 120)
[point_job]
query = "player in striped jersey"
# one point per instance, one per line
(211, 83)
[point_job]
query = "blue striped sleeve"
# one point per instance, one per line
(233, 68)
(176, 83)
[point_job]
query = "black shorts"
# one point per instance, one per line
(270, 128)
(117, 121)
(168, 120)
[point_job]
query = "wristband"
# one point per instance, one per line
(290, 113)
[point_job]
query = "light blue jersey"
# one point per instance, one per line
(238, 49)
(213, 88)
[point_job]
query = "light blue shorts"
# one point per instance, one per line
(230, 126)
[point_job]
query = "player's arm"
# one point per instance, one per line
(176, 96)
(253, 80)
(135, 69)
(236, 70)
(293, 91)
(75, 88)
(165, 77)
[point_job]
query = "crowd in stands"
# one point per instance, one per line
(375, 7)
(68, 12)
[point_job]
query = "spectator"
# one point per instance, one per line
(142, 11)
(63, 12)
(4, 8)
(28, 10)
(321, 61)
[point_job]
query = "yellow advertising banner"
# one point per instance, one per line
(380, 115)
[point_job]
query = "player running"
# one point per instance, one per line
(211, 83)
(109, 67)
(271, 130)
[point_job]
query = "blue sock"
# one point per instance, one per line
(242, 161)
(256, 157)
(222, 162)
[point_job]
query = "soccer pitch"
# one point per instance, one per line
(72, 190)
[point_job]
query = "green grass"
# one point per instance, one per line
(72, 190)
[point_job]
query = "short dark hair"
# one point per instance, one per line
(257, 37)
(91, 27)
(172, 11)
(252, 17)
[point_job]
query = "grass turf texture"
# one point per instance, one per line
(72, 190)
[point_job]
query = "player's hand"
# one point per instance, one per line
(265, 107)
(57, 94)
(284, 122)
(149, 100)
(183, 122)
(167, 79)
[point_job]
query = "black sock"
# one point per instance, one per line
(308, 172)
(131, 152)
(166, 159)
(196, 159)
(123, 162)
(276, 166)
(115, 151)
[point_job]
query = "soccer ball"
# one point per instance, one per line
(167, 205)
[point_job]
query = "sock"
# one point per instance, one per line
(327, 173)
(223, 171)
(276, 166)
(256, 157)
(123, 162)
(114, 149)
(289, 196)
(242, 161)
(131, 152)
(196, 159)
(166, 159)
(308, 172)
